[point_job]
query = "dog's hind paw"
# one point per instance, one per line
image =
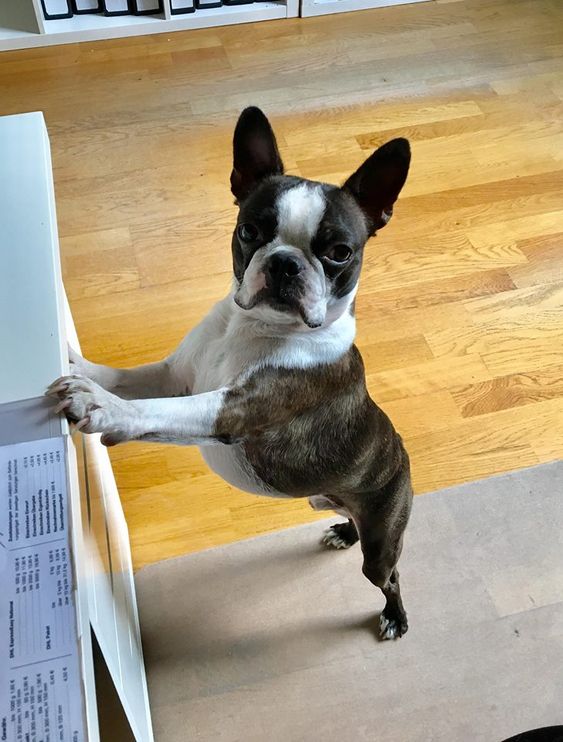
(331, 538)
(340, 536)
(392, 628)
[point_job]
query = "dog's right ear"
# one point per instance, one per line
(255, 152)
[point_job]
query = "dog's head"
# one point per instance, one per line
(298, 244)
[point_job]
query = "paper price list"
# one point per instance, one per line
(40, 688)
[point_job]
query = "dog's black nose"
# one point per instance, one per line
(282, 266)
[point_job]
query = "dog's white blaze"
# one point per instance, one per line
(300, 210)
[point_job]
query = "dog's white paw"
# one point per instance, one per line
(93, 409)
(391, 628)
(332, 538)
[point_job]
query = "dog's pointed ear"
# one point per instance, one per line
(377, 183)
(255, 152)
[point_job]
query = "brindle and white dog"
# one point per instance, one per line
(270, 384)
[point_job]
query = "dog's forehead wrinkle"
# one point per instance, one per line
(300, 211)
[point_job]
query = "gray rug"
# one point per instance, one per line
(274, 638)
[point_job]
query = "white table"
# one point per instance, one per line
(35, 325)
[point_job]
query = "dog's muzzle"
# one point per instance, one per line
(283, 280)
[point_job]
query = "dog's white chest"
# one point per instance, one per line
(217, 351)
(228, 344)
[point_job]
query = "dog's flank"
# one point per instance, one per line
(270, 384)
(322, 422)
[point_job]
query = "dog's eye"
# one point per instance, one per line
(247, 232)
(338, 254)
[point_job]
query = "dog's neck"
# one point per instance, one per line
(289, 342)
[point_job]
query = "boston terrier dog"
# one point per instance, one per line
(270, 384)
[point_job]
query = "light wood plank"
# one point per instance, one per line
(504, 392)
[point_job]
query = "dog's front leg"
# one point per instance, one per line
(140, 382)
(184, 420)
(172, 377)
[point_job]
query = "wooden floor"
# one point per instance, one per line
(461, 306)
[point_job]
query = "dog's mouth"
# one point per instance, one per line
(283, 301)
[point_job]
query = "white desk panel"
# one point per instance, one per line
(35, 321)
(31, 334)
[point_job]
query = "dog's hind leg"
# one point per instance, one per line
(381, 518)
(393, 621)
(380, 560)
(340, 535)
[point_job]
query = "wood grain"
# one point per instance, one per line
(460, 310)
(504, 392)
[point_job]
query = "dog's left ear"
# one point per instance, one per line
(255, 152)
(377, 183)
